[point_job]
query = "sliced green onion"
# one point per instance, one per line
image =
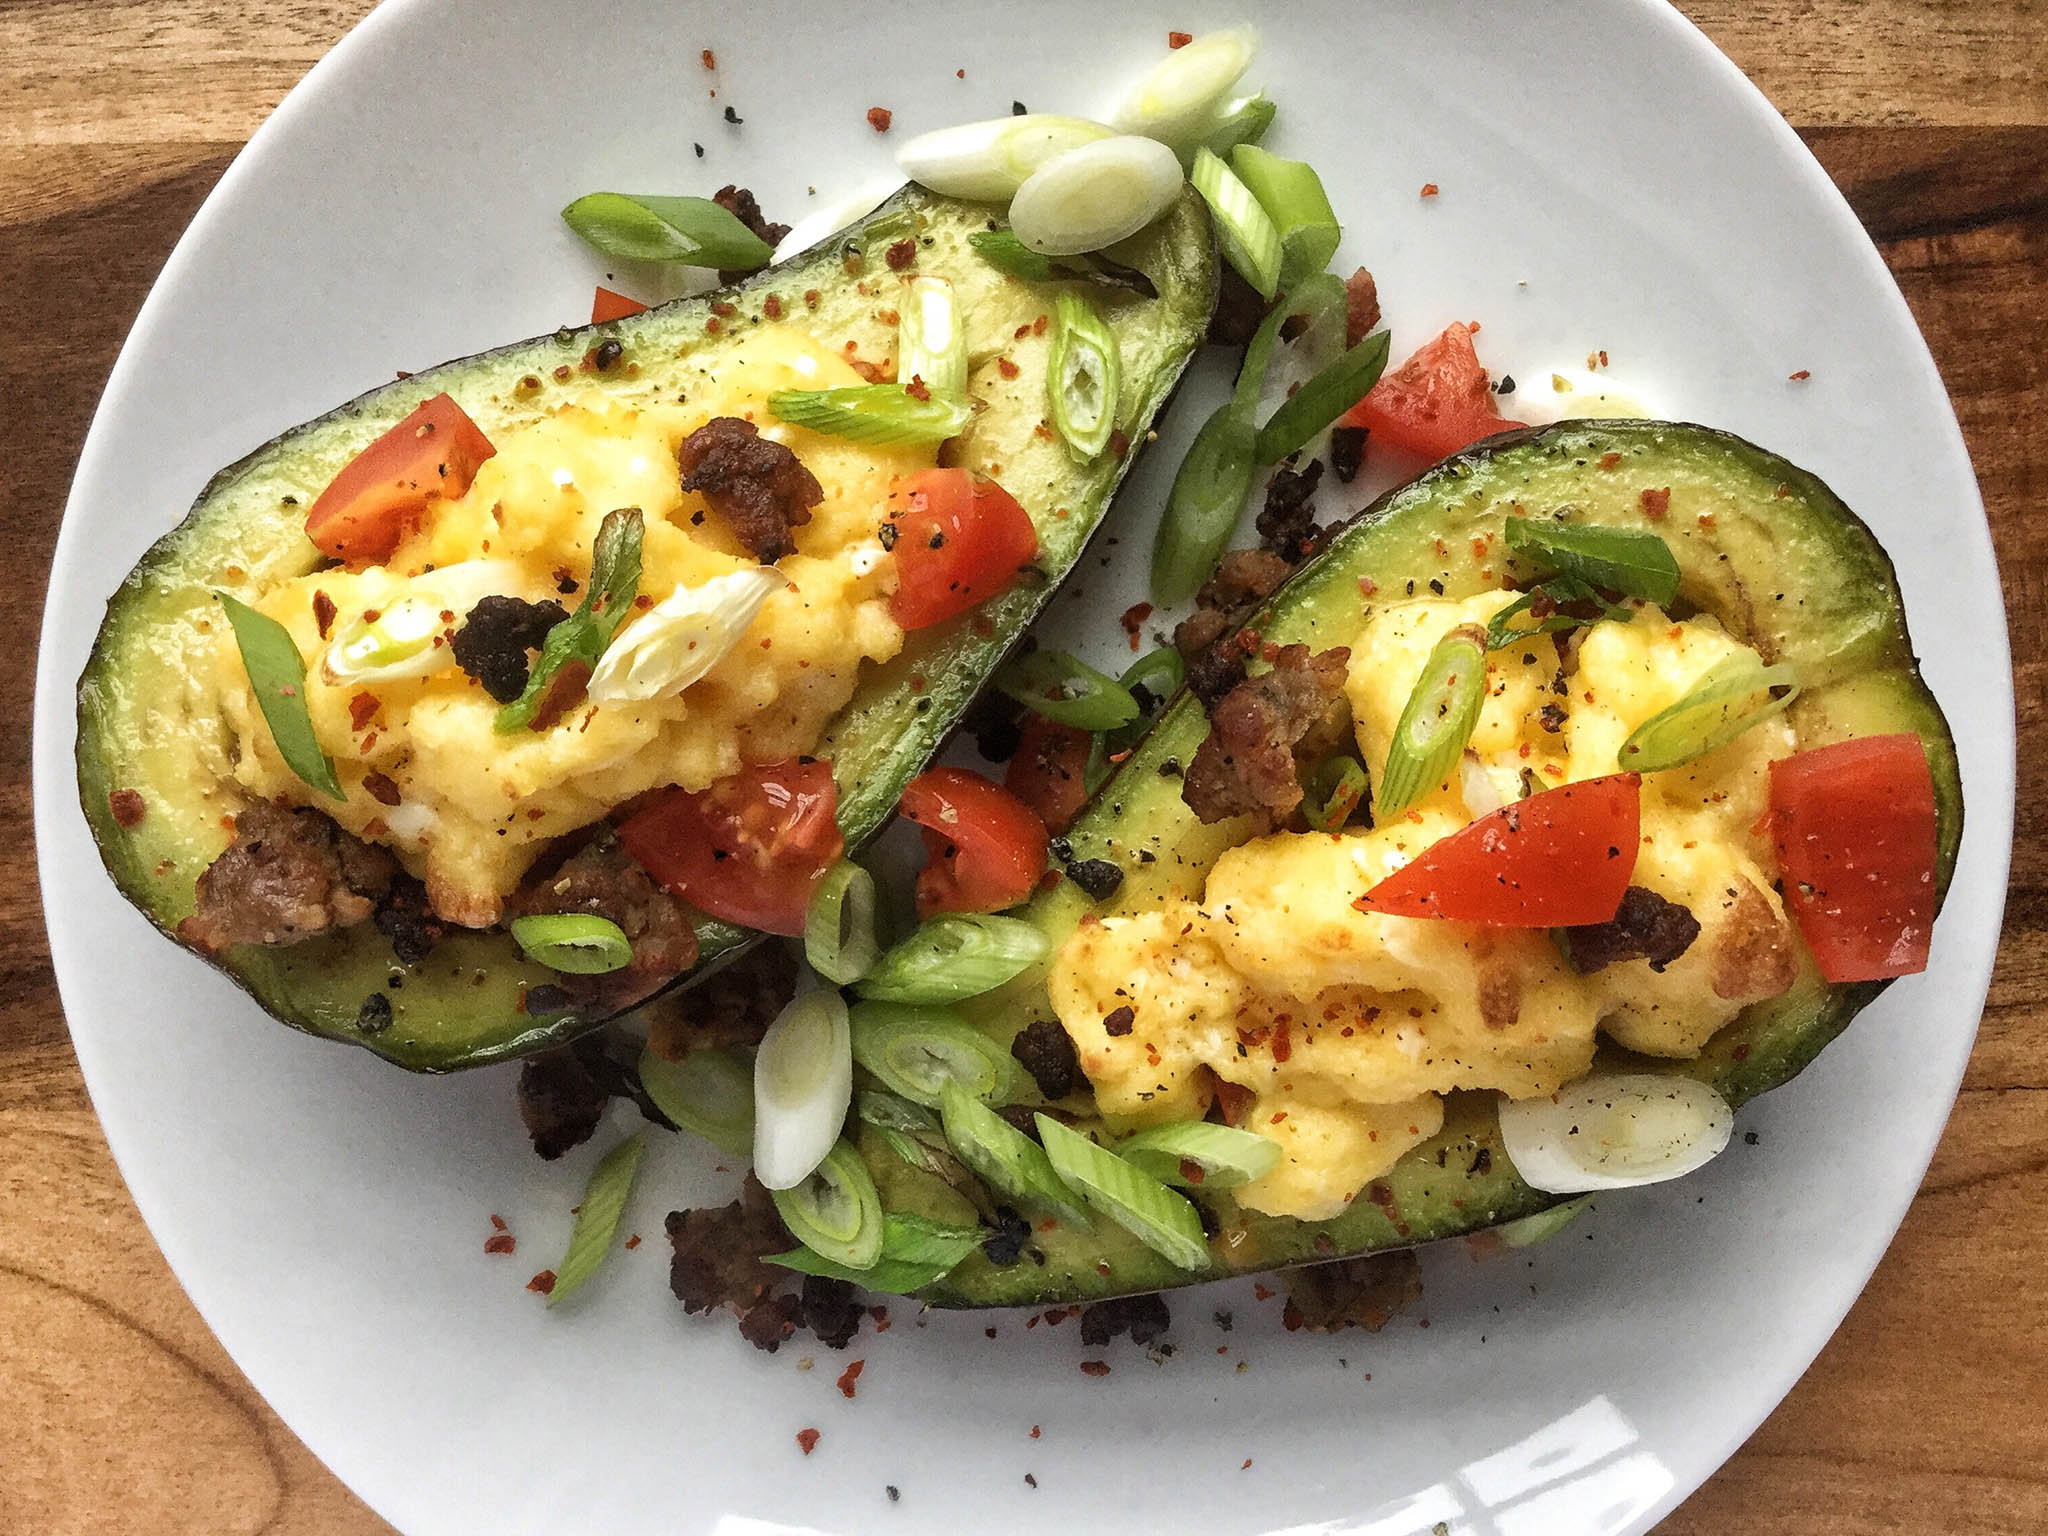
(918, 1052)
(953, 957)
(1335, 789)
(1631, 561)
(1243, 121)
(1713, 712)
(1325, 397)
(836, 1211)
(1083, 375)
(1096, 195)
(874, 413)
(1177, 98)
(931, 338)
(597, 1218)
(885, 1277)
(839, 924)
(1247, 233)
(1067, 691)
(803, 1083)
(989, 161)
(1001, 249)
(890, 1111)
(277, 676)
(909, 1239)
(575, 943)
(582, 637)
(909, 1150)
(1005, 1159)
(1151, 681)
(709, 1093)
(1293, 197)
(1544, 1225)
(1436, 722)
(690, 231)
(1200, 1155)
(1210, 488)
(1156, 1216)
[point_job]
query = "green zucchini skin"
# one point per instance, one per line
(1783, 562)
(146, 724)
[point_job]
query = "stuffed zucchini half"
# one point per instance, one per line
(503, 641)
(1229, 986)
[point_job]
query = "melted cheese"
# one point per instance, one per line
(1346, 1027)
(476, 807)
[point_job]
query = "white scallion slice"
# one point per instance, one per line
(708, 1092)
(1200, 1154)
(1247, 233)
(1729, 697)
(821, 223)
(682, 637)
(835, 1211)
(1176, 99)
(874, 413)
(989, 161)
(1005, 1159)
(1156, 1216)
(1084, 376)
(803, 1083)
(953, 957)
(839, 924)
(1544, 1225)
(1095, 195)
(1615, 1131)
(919, 1052)
(1436, 722)
(931, 338)
(399, 642)
(597, 1218)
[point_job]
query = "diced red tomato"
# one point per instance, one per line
(1435, 403)
(608, 305)
(1855, 831)
(958, 540)
(750, 849)
(1554, 860)
(382, 495)
(984, 848)
(1050, 771)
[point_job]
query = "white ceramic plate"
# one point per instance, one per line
(1608, 181)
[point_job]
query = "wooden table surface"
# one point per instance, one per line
(1924, 1415)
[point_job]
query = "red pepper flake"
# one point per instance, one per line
(1034, 1431)
(1278, 1117)
(1656, 504)
(879, 119)
(1119, 444)
(1094, 1367)
(1429, 189)
(498, 1223)
(633, 1242)
(127, 808)
(1133, 620)
(1247, 1465)
(713, 326)
(542, 1284)
(708, 59)
(1038, 326)
(323, 613)
(772, 306)
(1706, 519)
(501, 1242)
(1044, 430)
(1804, 373)
(810, 298)
(1006, 368)
(1283, 1040)
(380, 788)
(881, 1318)
(1262, 1291)
(1179, 39)
(901, 254)
(563, 373)
(917, 389)
(1192, 1171)
(1610, 461)
(807, 1440)
(849, 1376)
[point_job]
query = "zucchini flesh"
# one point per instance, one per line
(146, 723)
(1780, 560)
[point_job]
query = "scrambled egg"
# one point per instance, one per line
(1336, 1032)
(476, 807)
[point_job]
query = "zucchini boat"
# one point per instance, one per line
(156, 754)
(1761, 546)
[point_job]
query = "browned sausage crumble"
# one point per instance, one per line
(287, 876)
(1364, 1292)
(758, 486)
(1250, 762)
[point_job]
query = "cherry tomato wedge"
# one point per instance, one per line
(1855, 831)
(750, 849)
(382, 494)
(608, 305)
(1050, 771)
(1435, 403)
(984, 848)
(958, 540)
(1554, 860)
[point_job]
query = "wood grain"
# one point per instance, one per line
(1922, 1416)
